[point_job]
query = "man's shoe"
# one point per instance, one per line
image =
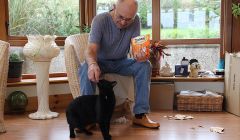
(146, 122)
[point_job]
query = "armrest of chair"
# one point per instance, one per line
(72, 64)
(4, 50)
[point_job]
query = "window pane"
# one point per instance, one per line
(144, 12)
(58, 17)
(104, 5)
(208, 61)
(188, 19)
(57, 63)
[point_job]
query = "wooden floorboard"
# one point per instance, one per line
(19, 127)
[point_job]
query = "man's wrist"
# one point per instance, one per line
(92, 63)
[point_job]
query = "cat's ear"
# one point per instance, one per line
(113, 83)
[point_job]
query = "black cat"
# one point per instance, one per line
(89, 109)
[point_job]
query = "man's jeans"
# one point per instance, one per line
(141, 71)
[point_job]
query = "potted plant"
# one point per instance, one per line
(15, 68)
(85, 28)
(156, 52)
(236, 9)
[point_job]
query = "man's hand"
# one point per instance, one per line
(140, 57)
(94, 72)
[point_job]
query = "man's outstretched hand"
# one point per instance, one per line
(94, 72)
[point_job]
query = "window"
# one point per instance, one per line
(181, 24)
(104, 6)
(208, 61)
(58, 17)
(144, 12)
(189, 28)
(41, 17)
(190, 19)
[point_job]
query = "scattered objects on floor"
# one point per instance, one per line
(199, 126)
(120, 120)
(217, 130)
(179, 117)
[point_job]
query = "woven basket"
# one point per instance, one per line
(199, 103)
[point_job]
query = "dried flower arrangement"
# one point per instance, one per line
(156, 52)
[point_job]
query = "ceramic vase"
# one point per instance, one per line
(41, 49)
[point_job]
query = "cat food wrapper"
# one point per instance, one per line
(141, 43)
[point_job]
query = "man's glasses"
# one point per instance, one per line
(119, 17)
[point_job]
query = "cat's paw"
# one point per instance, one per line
(88, 132)
(72, 136)
(109, 137)
(78, 131)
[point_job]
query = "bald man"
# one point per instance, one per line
(109, 43)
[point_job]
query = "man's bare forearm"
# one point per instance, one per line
(91, 54)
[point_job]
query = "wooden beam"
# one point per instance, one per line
(191, 41)
(227, 27)
(156, 20)
(3, 29)
(235, 32)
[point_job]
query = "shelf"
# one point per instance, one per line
(27, 82)
(187, 79)
(59, 80)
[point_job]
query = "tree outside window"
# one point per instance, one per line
(58, 17)
(190, 19)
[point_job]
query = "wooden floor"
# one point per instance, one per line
(19, 127)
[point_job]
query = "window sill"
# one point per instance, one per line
(60, 80)
(27, 82)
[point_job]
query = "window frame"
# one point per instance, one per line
(90, 7)
(86, 14)
(156, 30)
(21, 40)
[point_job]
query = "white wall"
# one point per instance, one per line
(32, 90)
(196, 86)
(64, 88)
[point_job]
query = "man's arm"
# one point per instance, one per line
(92, 48)
(91, 58)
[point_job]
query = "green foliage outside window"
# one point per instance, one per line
(61, 17)
(236, 9)
(58, 17)
(143, 10)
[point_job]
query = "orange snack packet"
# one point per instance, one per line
(141, 43)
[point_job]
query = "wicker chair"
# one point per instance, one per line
(4, 49)
(74, 56)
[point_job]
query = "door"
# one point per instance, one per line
(234, 94)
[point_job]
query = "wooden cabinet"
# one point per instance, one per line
(232, 83)
(161, 95)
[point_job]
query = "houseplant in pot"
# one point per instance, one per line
(156, 52)
(15, 68)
